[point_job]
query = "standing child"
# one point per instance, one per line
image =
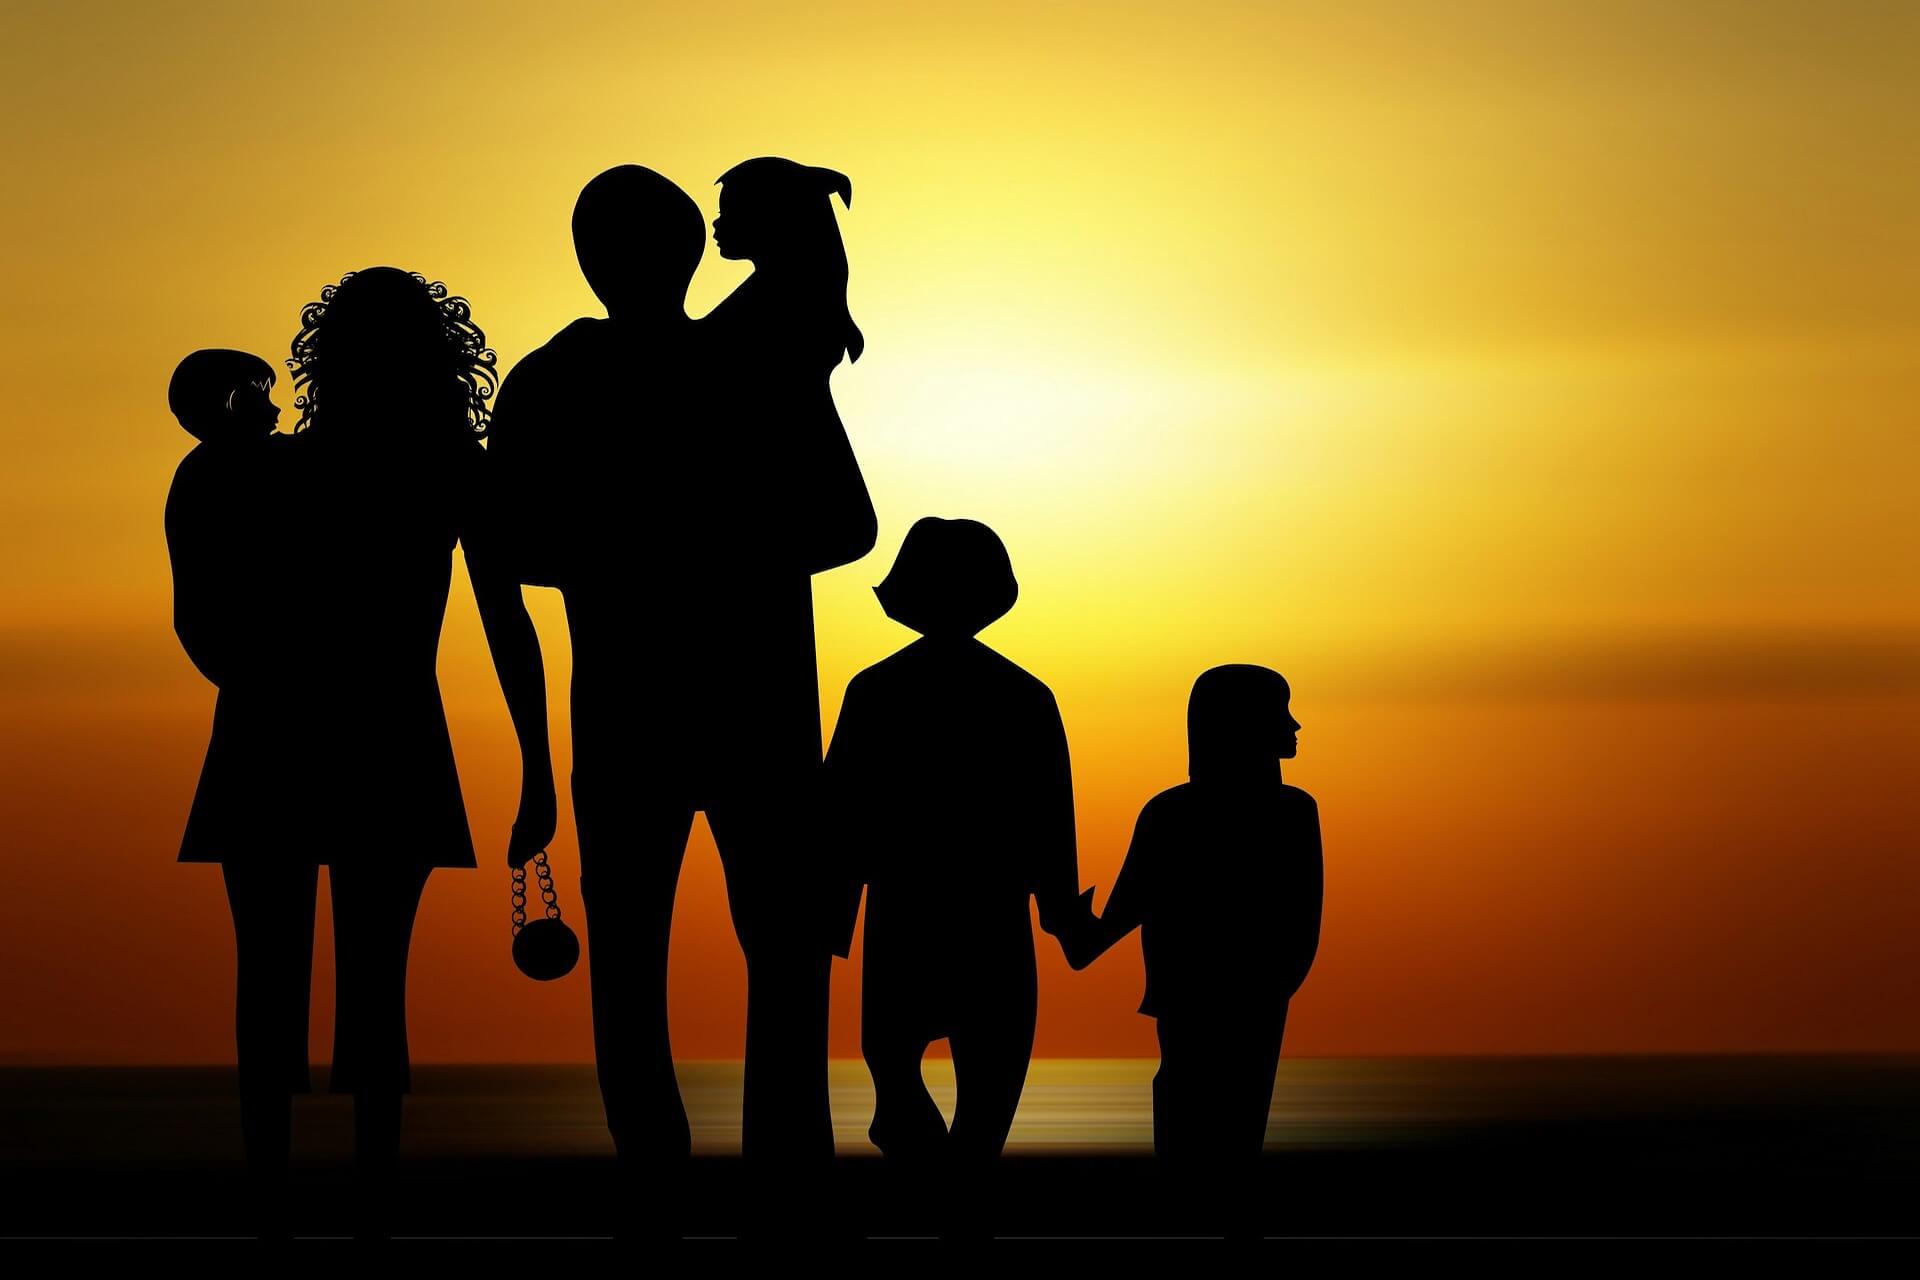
(1223, 880)
(949, 768)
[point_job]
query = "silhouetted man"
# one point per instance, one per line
(693, 682)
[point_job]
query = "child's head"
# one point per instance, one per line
(774, 208)
(1238, 722)
(951, 578)
(222, 395)
(779, 215)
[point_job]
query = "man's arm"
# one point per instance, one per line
(1065, 912)
(843, 810)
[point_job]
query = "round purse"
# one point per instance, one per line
(546, 948)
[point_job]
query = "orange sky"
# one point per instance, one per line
(1534, 385)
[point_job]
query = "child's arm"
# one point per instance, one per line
(1126, 905)
(1306, 895)
(515, 647)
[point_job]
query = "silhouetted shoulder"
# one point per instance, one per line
(1015, 676)
(980, 666)
(1301, 812)
(584, 333)
(188, 476)
(1171, 805)
(1030, 685)
(577, 342)
(872, 681)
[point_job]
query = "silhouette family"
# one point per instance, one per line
(680, 481)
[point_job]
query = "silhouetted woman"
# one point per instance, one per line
(389, 475)
(1223, 880)
(953, 800)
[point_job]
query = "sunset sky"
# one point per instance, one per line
(1536, 385)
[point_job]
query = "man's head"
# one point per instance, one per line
(639, 238)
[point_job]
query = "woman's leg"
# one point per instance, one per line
(272, 905)
(373, 914)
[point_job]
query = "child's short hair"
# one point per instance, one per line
(1236, 713)
(201, 392)
(952, 577)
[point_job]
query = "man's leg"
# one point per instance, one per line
(777, 895)
(629, 870)
(907, 1124)
(992, 1050)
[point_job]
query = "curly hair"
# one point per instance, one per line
(442, 324)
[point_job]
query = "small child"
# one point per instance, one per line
(954, 795)
(1223, 879)
(225, 494)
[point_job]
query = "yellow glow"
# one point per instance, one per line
(1463, 362)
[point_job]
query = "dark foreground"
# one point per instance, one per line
(1459, 1147)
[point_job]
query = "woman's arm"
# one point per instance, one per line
(515, 647)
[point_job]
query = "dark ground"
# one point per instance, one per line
(1747, 1147)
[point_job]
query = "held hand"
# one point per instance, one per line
(1078, 933)
(841, 916)
(534, 825)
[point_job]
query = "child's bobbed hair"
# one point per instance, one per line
(951, 578)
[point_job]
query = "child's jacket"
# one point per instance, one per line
(952, 801)
(1224, 881)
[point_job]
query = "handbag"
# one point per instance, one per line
(546, 948)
